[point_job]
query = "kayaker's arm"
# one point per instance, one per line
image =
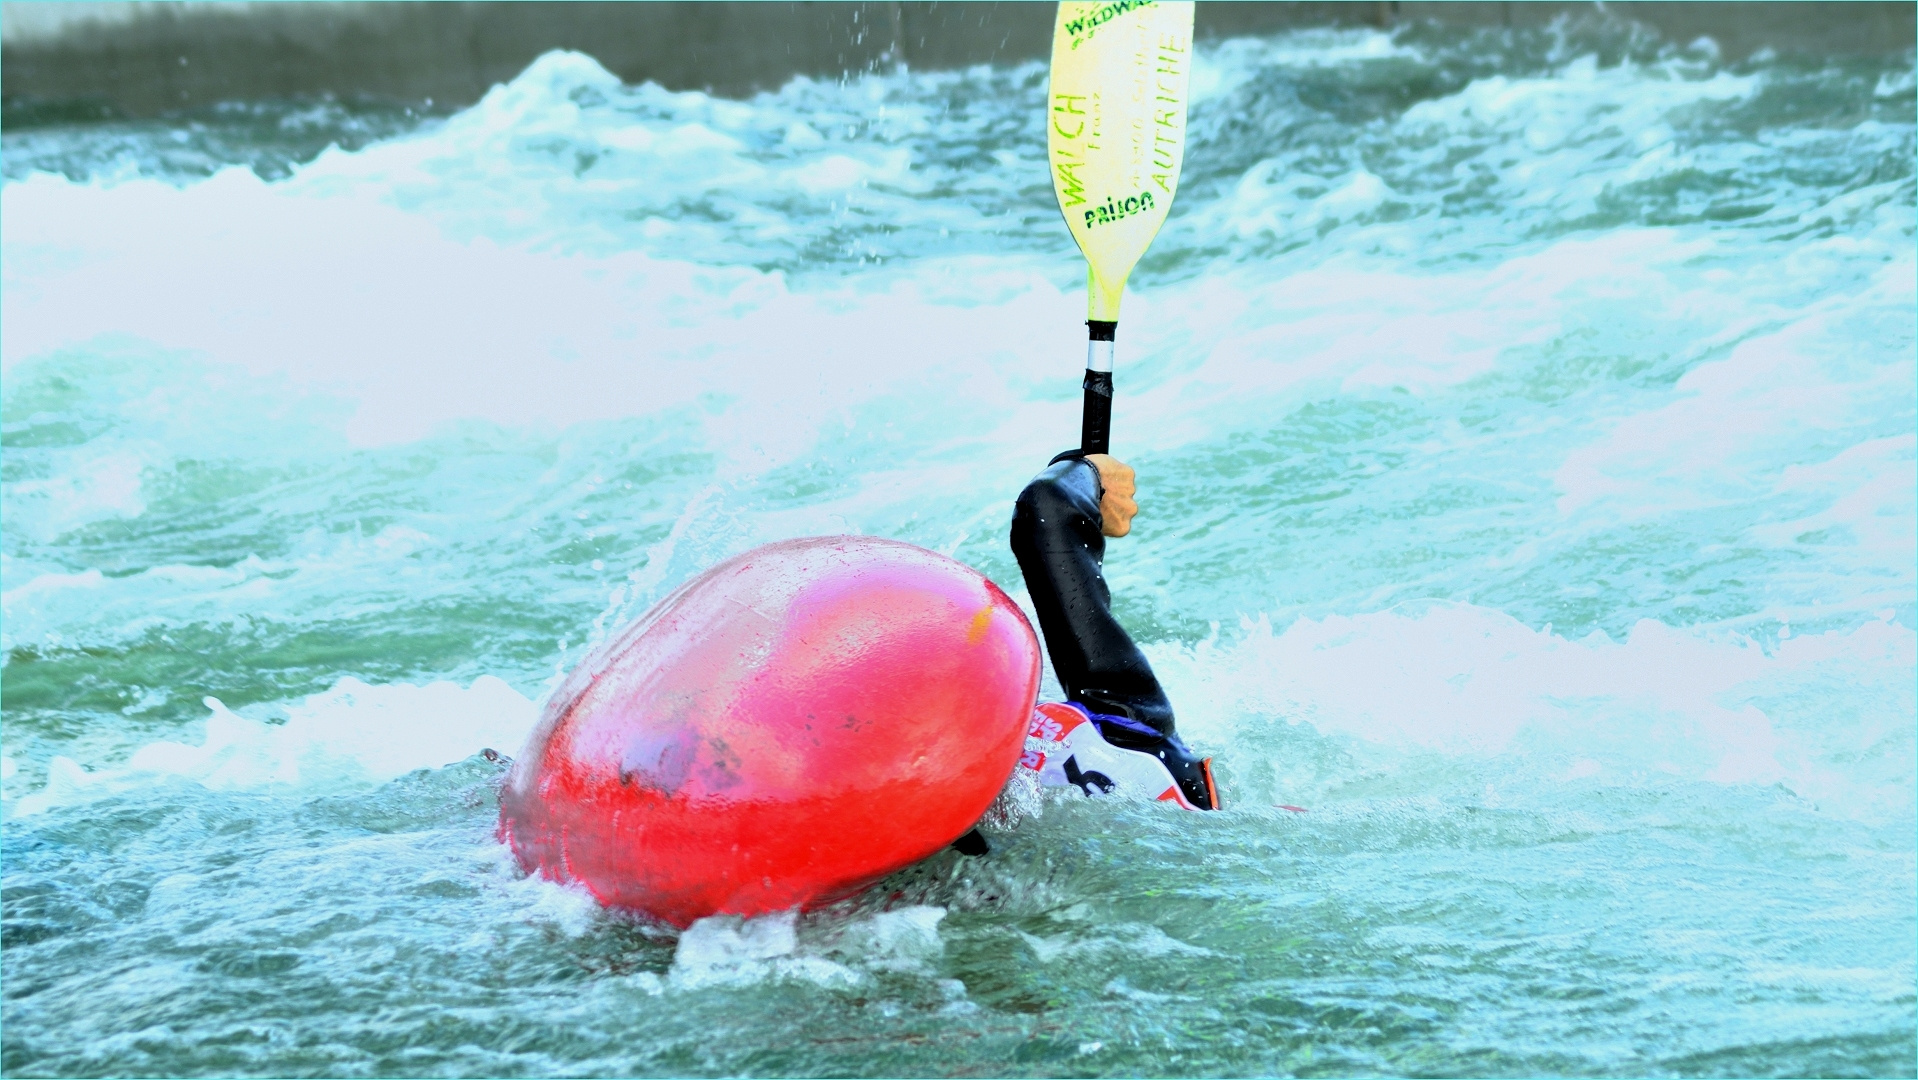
(1059, 530)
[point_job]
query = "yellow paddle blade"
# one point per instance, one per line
(1117, 131)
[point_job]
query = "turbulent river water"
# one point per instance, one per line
(1525, 431)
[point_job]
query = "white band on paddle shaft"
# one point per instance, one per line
(1099, 356)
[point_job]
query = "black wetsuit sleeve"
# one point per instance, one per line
(1061, 551)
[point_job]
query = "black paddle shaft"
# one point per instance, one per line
(1095, 429)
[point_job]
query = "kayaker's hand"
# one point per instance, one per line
(1116, 508)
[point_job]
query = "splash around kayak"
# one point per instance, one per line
(783, 730)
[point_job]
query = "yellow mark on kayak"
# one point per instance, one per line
(1116, 137)
(981, 622)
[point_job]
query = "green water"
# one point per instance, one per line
(1525, 430)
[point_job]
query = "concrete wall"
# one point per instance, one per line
(148, 58)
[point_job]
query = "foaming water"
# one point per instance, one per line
(1525, 425)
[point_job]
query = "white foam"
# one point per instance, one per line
(727, 950)
(1126, 939)
(1465, 681)
(1868, 518)
(96, 484)
(54, 607)
(441, 242)
(351, 736)
(1220, 69)
(1894, 84)
(1739, 421)
(903, 939)
(567, 908)
(1570, 121)
(733, 951)
(49, 584)
(440, 329)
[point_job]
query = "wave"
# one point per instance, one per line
(1827, 717)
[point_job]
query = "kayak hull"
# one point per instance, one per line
(780, 732)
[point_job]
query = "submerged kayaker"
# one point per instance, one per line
(1127, 741)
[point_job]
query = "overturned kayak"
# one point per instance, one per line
(781, 731)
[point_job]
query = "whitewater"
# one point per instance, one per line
(1527, 435)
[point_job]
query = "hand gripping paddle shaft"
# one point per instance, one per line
(1116, 138)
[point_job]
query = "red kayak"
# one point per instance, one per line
(783, 730)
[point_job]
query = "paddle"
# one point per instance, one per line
(1115, 139)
